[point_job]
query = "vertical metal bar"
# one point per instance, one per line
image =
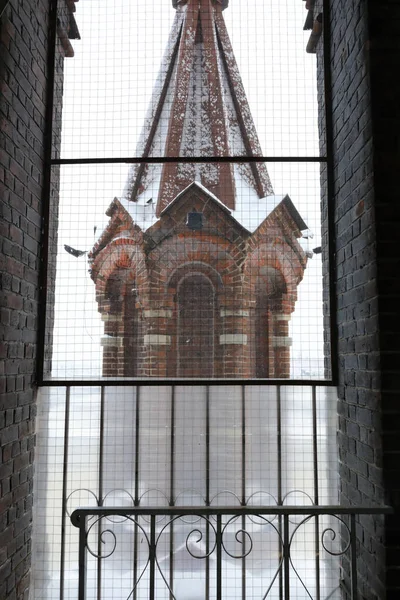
(207, 445)
(353, 550)
(243, 499)
(315, 444)
(82, 558)
(137, 441)
(327, 58)
(279, 469)
(172, 491)
(101, 445)
(64, 491)
(316, 491)
(101, 490)
(136, 490)
(279, 441)
(152, 556)
(219, 558)
(45, 197)
(207, 488)
(286, 556)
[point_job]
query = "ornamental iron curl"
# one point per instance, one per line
(239, 526)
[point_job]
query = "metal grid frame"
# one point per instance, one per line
(315, 493)
(46, 204)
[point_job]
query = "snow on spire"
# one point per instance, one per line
(199, 109)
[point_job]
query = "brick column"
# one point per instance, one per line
(281, 343)
(233, 337)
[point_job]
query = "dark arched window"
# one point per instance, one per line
(195, 331)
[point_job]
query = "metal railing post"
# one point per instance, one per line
(82, 558)
(286, 556)
(353, 557)
(152, 557)
(219, 557)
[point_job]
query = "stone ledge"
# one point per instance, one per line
(281, 341)
(162, 313)
(110, 341)
(156, 339)
(282, 317)
(226, 312)
(233, 338)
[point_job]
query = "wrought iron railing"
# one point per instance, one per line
(165, 545)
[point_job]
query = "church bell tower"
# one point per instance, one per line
(197, 271)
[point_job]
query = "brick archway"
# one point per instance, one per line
(195, 334)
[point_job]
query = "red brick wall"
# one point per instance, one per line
(254, 279)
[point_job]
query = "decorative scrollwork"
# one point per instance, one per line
(245, 536)
(327, 531)
(333, 535)
(103, 532)
(102, 539)
(79, 491)
(175, 540)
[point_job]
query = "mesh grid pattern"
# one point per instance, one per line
(181, 446)
(191, 81)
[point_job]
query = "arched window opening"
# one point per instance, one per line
(269, 290)
(195, 332)
(121, 326)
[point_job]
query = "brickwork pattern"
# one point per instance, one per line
(364, 152)
(23, 77)
(359, 442)
(252, 277)
(384, 62)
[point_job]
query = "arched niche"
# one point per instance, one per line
(268, 289)
(195, 322)
(122, 325)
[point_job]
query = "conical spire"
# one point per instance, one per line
(199, 109)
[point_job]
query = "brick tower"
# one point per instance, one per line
(196, 273)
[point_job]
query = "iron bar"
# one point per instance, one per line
(353, 555)
(101, 490)
(172, 491)
(232, 511)
(316, 491)
(187, 159)
(194, 382)
(82, 558)
(279, 469)
(243, 499)
(219, 557)
(286, 555)
(64, 491)
(152, 556)
(207, 488)
(136, 490)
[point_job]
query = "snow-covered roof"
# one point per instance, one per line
(248, 213)
(199, 109)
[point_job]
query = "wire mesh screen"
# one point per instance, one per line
(180, 446)
(180, 255)
(130, 56)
